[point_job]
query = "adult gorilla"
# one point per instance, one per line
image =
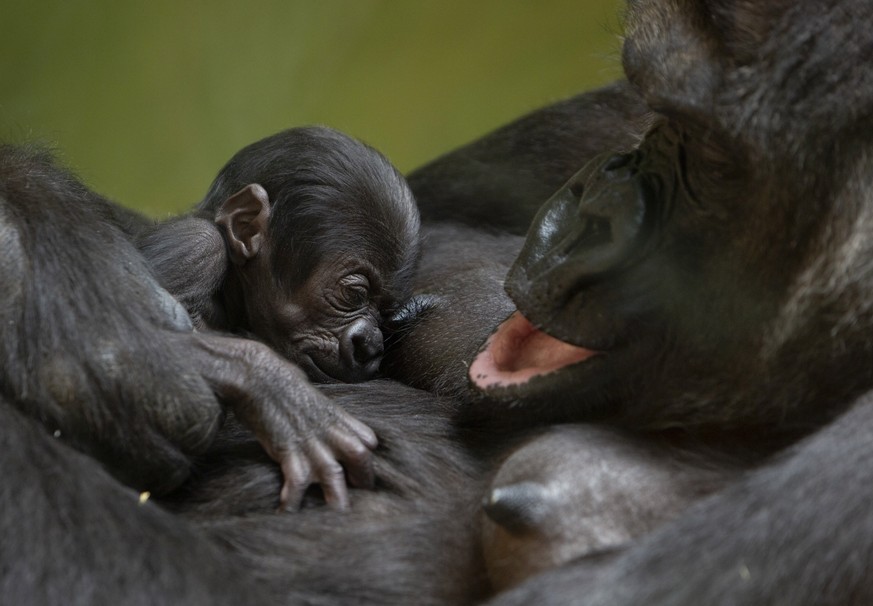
(712, 278)
(716, 282)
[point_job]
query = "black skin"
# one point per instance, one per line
(738, 319)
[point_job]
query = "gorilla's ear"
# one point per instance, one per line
(245, 217)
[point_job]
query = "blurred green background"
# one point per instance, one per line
(147, 100)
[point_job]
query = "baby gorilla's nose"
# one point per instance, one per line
(361, 349)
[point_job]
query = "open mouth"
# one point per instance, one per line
(518, 352)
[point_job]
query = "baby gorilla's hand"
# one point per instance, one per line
(310, 437)
(324, 436)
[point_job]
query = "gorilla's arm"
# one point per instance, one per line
(85, 330)
(797, 531)
(106, 359)
(73, 535)
(500, 180)
(411, 541)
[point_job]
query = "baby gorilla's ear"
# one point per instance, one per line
(245, 217)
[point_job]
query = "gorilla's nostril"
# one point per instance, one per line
(367, 346)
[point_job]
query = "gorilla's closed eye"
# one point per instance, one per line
(354, 292)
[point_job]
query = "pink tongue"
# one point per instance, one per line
(517, 351)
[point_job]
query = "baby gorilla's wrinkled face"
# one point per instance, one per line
(322, 242)
(330, 324)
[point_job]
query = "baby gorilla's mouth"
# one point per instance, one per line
(312, 369)
(518, 351)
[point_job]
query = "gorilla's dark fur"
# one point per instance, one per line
(717, 259)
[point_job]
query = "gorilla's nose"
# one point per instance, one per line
(361, 349)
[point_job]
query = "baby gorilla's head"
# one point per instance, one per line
(322, 235)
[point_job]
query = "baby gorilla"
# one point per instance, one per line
(306, 241)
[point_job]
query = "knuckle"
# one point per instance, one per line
(332, 471)
(298, 471)
(357, 454)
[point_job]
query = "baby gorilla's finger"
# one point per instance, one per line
(355, 455)
(364, 433)
(329, 474)
(297, 474)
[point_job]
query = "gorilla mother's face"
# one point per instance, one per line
(701, 278)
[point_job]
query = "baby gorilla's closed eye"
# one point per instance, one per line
(354, 297)
(353, 293)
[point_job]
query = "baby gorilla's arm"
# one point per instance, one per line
(310, 437)
(189, 258)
